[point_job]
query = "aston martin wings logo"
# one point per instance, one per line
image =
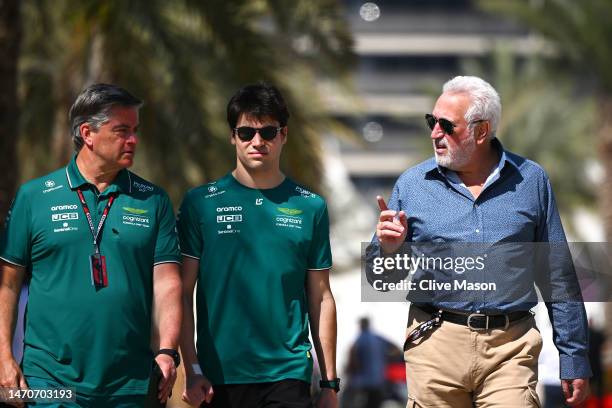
(289, 211)
(137, 211)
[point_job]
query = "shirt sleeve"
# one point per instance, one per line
(190, 235)
(319, 256)
(166, 246)
(565, 307)
(15, 241)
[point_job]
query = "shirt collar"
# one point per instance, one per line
(505, 157)
(122, 183)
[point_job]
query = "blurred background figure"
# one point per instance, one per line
(373, 377)
(366, 369)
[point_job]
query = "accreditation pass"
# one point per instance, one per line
(15, 395)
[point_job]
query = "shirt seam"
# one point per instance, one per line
(11, 262)
(190, 256)
(168, 261)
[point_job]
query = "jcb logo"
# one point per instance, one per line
(65, 216)
(229, 218)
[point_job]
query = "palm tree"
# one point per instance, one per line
(10, 35)
(185, 59)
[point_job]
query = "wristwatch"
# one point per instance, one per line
(172, 353)
(333, 384)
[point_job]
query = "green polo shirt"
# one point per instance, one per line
(255, 249)
(96, 340)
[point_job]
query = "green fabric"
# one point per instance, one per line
(255, 248)
(97, 341)
(83, 401)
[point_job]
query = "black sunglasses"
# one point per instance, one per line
(446, 125)
(246, 133)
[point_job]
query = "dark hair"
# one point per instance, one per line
(93, 106)
(364, 323)
(258, 100)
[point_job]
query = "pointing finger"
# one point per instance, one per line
(381, 203)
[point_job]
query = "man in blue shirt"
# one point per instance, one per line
(482, 349)
(366, 368)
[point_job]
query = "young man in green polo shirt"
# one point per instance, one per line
(99, 246)
(257, 244)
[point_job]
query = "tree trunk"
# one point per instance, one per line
(10, 38)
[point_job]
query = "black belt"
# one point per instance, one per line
(476, 321)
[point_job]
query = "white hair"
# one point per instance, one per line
(485, 103)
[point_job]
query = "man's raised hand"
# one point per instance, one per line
(392, 227)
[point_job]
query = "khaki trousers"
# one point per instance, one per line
(455, 366)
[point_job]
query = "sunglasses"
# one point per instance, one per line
(446, 125)
(246, 133)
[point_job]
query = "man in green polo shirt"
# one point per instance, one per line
(99, 246)
(258, 246)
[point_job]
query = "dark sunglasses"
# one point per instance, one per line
(246, 133)
(446, 125)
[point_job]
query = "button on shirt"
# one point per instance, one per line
(516, 205)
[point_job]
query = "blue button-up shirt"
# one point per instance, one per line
(516, 205)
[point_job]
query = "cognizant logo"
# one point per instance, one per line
(288, 220)
(132, 218)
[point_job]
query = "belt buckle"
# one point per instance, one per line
(469, 321)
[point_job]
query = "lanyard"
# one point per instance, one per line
(95, 232)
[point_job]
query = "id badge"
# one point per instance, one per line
(99, 276)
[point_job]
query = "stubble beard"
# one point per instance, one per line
(457, 157)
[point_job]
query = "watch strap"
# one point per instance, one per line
(172, 353)
(333, 384)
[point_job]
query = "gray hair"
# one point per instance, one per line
(485, 102)
(93, 106)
